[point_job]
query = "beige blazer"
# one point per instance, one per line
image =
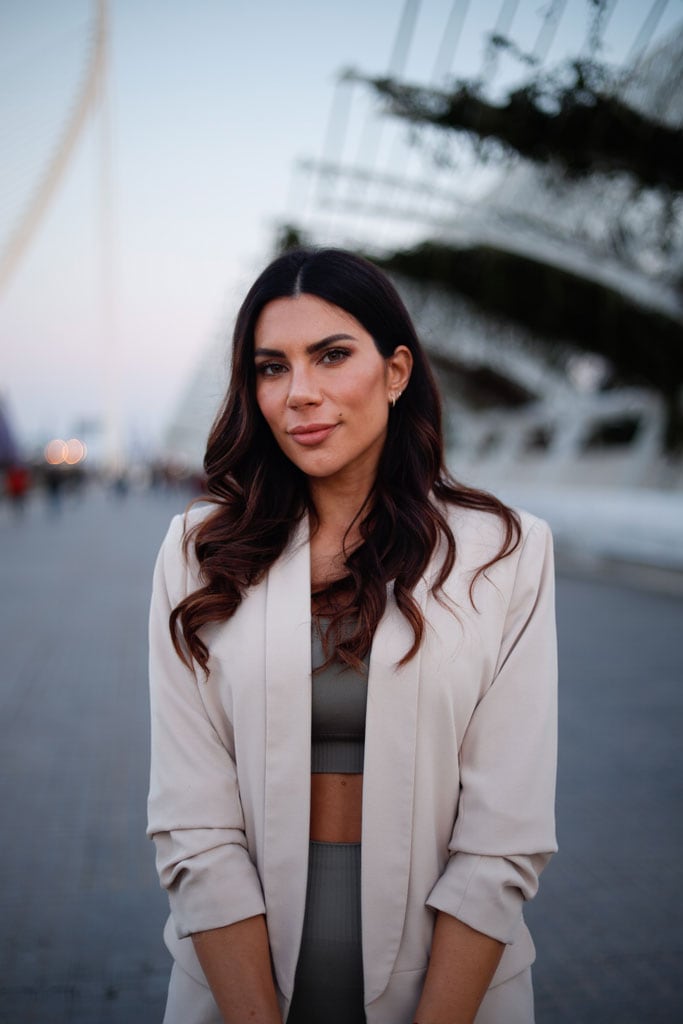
(459, 773)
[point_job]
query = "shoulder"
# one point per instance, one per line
(177, 561)
(479, 535)
(514, 582)
(185, 522)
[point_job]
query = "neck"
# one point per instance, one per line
(337, 504)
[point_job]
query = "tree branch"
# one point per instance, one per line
(575, 125)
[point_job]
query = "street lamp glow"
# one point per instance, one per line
(56, 451)
(76, 451)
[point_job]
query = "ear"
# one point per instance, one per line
(399, 368)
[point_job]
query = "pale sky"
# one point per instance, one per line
(211, 103)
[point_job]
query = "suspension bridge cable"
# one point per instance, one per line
(372, 130)
(449, 40)
(548, 31)
(445, 57)
(501, 28)
(404, 37)
(649, 26)
(338, 121)
(340, 114)
(334, 139)
(23, 233)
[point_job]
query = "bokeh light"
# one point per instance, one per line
(55, 451)
(76, 451)
(71, 452)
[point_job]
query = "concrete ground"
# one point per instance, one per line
(80, 909)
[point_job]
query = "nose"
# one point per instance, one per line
(303, 389)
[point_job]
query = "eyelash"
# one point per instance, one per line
(265, 369)
(345, 352)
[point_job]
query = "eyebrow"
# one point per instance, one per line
(311, 349)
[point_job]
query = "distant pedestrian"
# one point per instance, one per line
(120, 485)
(17, 483)
(353, 676)
(54, 480)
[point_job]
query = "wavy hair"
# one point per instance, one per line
(260, 496)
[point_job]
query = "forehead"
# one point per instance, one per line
(304, 318)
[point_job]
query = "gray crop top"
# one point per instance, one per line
(338, 712)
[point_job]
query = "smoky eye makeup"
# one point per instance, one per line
(335, 354)
(270, 368)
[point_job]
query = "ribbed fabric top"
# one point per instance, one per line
(338, 713)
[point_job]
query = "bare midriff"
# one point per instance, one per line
(336, 807)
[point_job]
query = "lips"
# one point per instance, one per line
(311, 433)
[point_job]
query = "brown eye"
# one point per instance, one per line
(335, 355)
(270, 369)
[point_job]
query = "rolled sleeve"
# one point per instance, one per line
(194, 809)
(504, 832)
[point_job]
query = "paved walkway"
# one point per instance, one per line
(80, 909)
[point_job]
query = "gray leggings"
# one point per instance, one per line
(329, 979)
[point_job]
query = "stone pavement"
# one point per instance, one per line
(608, 921)
(80, 908)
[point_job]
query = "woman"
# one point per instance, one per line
(353, 688)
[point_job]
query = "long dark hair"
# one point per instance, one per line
(260, 495)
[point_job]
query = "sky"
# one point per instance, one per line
(169, 202)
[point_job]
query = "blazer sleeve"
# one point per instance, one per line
(504, 832)
(194, 810)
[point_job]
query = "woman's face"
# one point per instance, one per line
(324, 388)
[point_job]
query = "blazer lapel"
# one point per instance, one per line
(388, 783)
(288, 753)
(388, 788)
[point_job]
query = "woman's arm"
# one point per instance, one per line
(197, 822)
(236, 962)
(461, 966)
(504, 830)
(194, 807)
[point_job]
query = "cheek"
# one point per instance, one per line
(264, 400)
(367, 390)
(377, 406)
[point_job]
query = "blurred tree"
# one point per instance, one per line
(289, 236)
(567, 119)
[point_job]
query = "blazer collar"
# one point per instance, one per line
(388, 792)
(388, 782)
(288, 752)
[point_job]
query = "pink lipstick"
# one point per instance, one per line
(312, 433)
